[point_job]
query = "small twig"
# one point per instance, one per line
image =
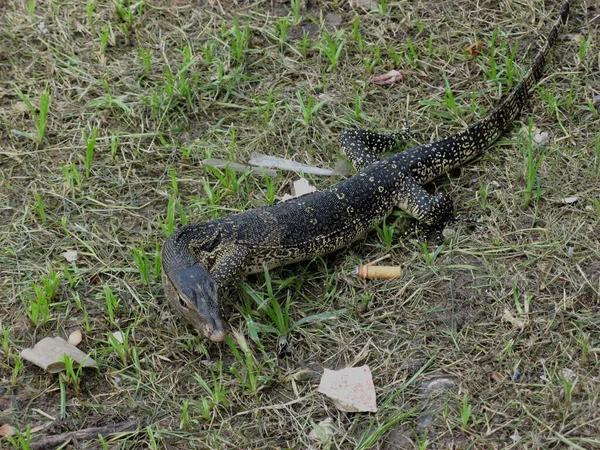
(86, 433)
(378, 259)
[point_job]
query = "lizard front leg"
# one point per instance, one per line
(362, 147)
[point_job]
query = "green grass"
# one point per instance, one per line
(108, 109)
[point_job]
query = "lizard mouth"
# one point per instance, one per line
(217, 336)
(213, 329)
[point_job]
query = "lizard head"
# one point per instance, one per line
(193, 294)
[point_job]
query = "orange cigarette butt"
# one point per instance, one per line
(384, 272)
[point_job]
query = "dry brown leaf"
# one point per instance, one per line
(6, 430)
(474, 48)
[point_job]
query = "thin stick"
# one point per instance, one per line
(86, 433)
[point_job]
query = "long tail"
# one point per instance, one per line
(429, 161)
(512, 105)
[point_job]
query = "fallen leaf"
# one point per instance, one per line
(50, 352)
(515, 321)
(474, 48)
(70, 255)
(391, 77)
(351, 389)
(6, 430)
(75, 338)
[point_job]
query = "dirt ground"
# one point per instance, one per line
(108, 108)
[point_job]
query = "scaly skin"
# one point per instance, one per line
(200, 257)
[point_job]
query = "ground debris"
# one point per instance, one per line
(391, 77)
(475, 48)
(517, 322)
(323, 431)
(75, 338)
(49, 354)
(6, 430)
(274, 162)
(440, 383)
(351, 389)
(300, 187)
(70, 255)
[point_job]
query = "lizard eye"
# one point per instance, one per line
(182, 303)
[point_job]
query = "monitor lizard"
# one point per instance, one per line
(199, 258)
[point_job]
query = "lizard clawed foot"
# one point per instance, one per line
(439, 231)
(430, 233)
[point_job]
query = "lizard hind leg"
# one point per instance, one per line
(426, 208)
(432, 212)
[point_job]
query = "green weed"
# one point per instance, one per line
(466, 412)
(71, 375)
(296, 10)
(90, 7)
(119, 342)
(38, 305)
(250, 378)
(90, 145)
(308, 108)
(332, 47)
(216, 390)
(532, 167)
(112, 303)
(17, 367)
(143, 264)
(428, 256)
(39, 207)
(40, 118)
(356, 34)
(21, 441)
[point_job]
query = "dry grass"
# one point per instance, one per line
(173, 83)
